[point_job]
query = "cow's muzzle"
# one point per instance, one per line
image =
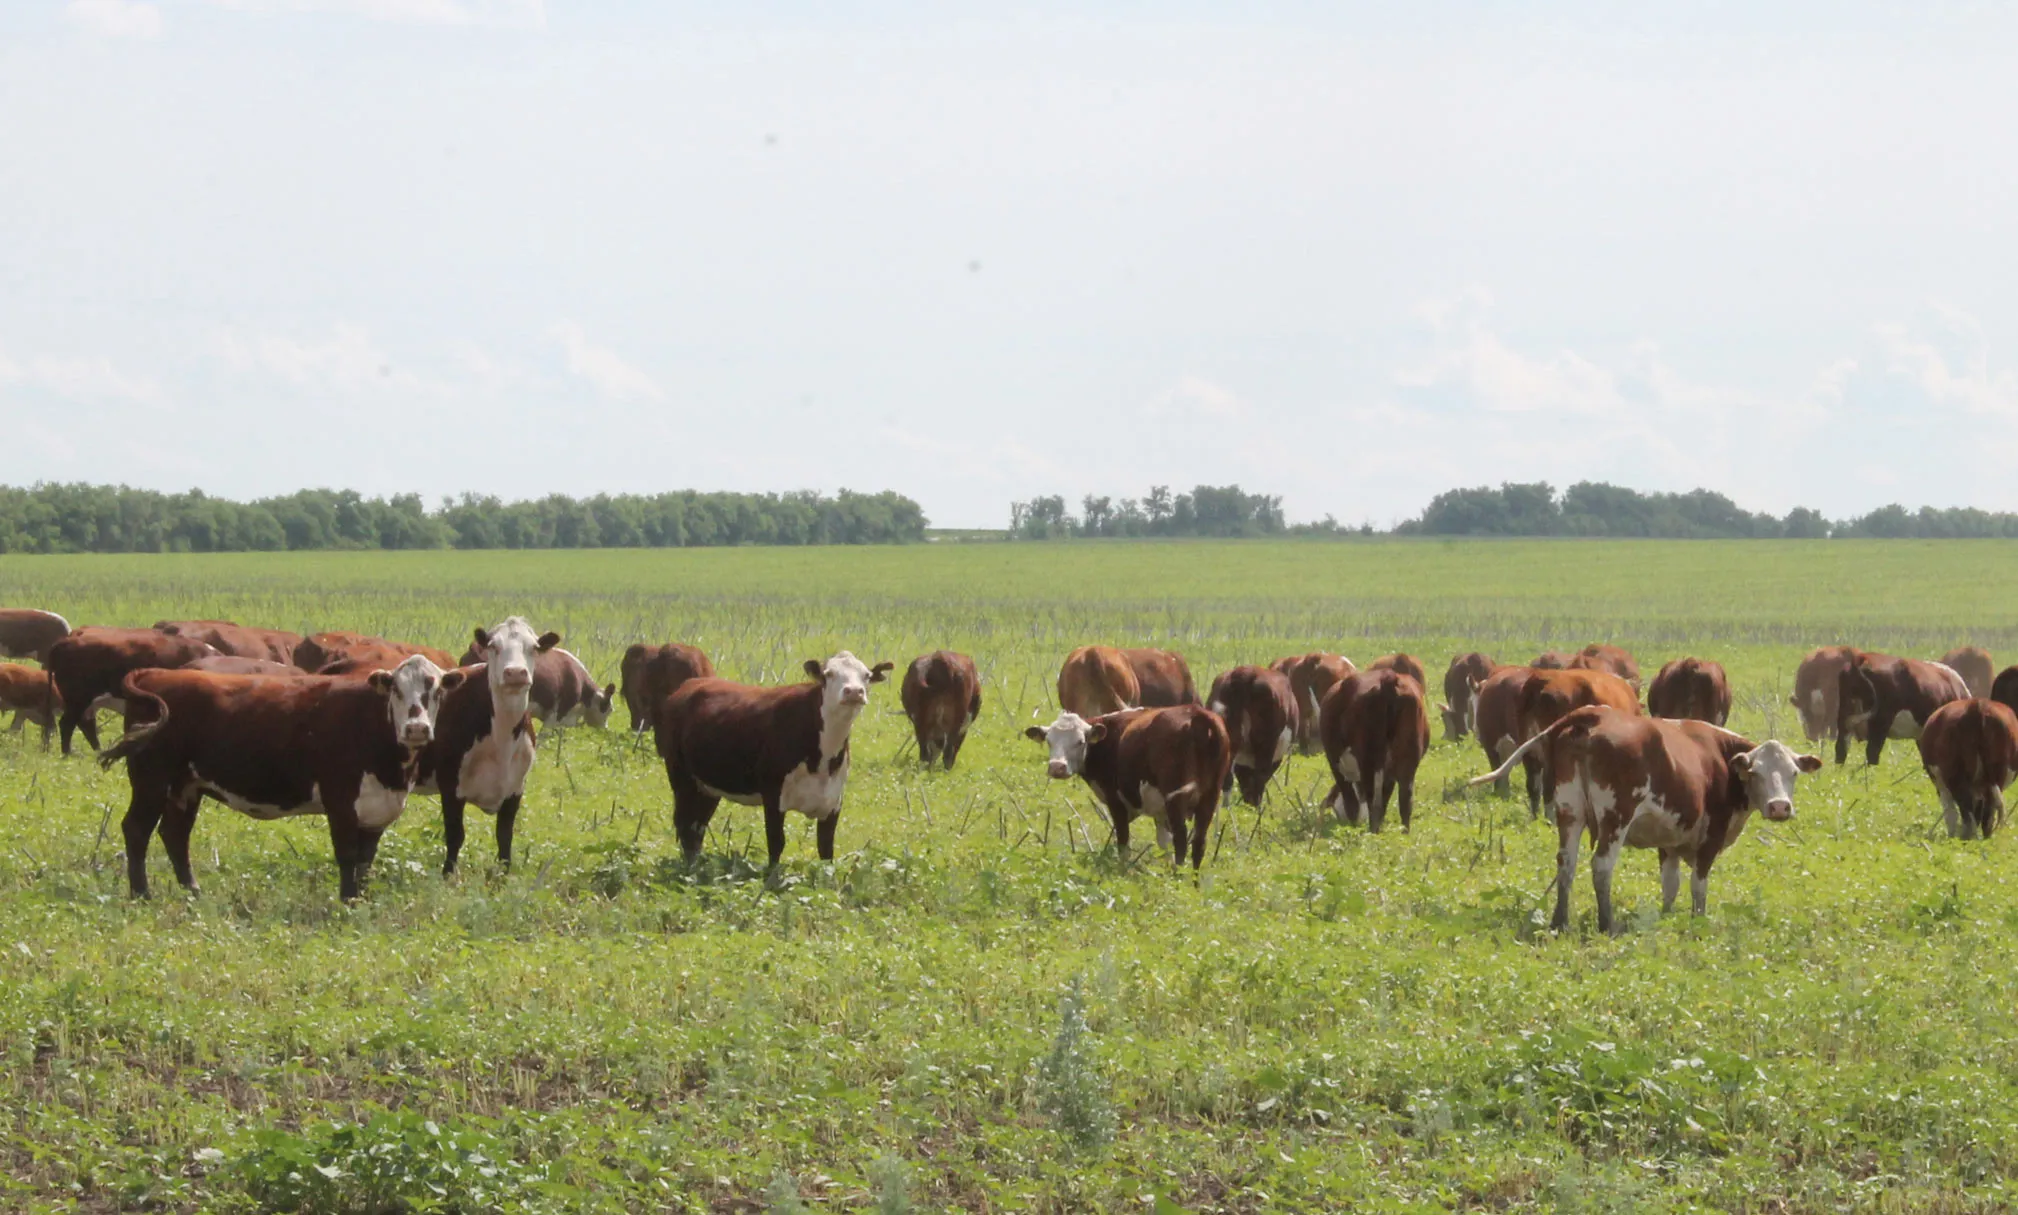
(1059, 769)
(854, 696)
(516, 678)
(416, 734)
(1779, 810)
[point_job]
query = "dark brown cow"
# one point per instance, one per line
(1552, 694)
(231, 664)
(1973, 664)
(782, 748)
(1376, 731)
(2004, 689)
(1460, 693)
(941, 694)
(1887, 697)
(1610, 659)
(237, 640)
(650, 673)
(1816, 682)
(1497, 722)
(346, 749)
(89, 664)
(28, 633)
(1169, 764)
(1099, 679)
(31, 694)
(1552, 660)
(564, 693)
(1970, 751)
(1685, 788)
(1407, 664)
(1259, 710)
(483, 740)
(360, 651)
(1310, 677)
(1695, 688)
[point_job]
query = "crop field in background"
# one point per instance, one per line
(979, 1006)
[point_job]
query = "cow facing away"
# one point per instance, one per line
(1695, 688)
(1311, 676)
(345, 749)
(483, 741)
(1407, 664)
(1879, 696)
(1973, 664)
(1461, 681)
(236, 640)
(1260, 714)
(1497, 722)
(941, 694)
(1376, 731)
(1610, 659)
(1970, 751)
(782, 748)
(1683, 788)
(31, 694)
(1100, 679)
(650, 673)
(1817, 682)
(1169, 764)
(90, 664)
(29, 632)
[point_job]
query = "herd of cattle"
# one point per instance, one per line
(346, 726)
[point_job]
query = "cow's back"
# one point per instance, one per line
(731, 737)
(1552, 694)
(29, 632)
(1407, 664)
(1097, 680)
(1973, 664)
(30, 692)
(1162, 678)
(1694, 688)
(1176, 750)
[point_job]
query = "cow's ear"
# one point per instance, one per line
(381, 682)
(451, 680)
(1808, 763)
(1096, 732)
(609, 691)
(548, 641)
(881, 671)
(1034, 733)
(483, 637)
(815, 668)
(1741, 765)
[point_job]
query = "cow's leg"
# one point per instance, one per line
(1951, 814)
(19, 714)
(68, 724)
(824, 834)
(1671, 877)
(1699, 881)
(1991, 807)
(926, 754)
(1569, 839)
(355, 850)
(1120, 819)
(178, 820)
(1199, 827)
(1179, 833)
(451, 831)
(693, 809)
(143, 813)
(1604, 859)
(1378, 790)
(774, 829)
(1405, 801)
(1532, 768)
(1498, 755)
(1874, 739)
(954, 742)
(507, 820)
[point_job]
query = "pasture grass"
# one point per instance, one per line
(979, 1006)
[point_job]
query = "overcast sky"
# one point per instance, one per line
(1350, 255)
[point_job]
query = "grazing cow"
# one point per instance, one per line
(1497, 721)
(941, 694)
(1310, 677)
(32, 695)
(1376, 731)
(1973, 664)
(28, 633)
(236, 640)
(1970, 751)
(1608, 658)
(651, 672)
(564, 693)
(1460, 693)
(1691, 687)
(1883, 697)
(483, 738)
(1169, 764)
(346, 749)
(1101, 679)
(1816, 683)
(783, 748)
(1406, 664)
(361, 651)
(1684, 788)
(89, 664)
(1550, 695)
(231, 664)
(1552, 660)
(1261, 717)
(2004, 690)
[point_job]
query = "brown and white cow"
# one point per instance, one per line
(1460, 693)
(783, 748)
(1683, 788)
(1970, 751)
(1882, 696)
(1552, 660)
(231, 664)
(1497, 722)
(1259, 710)
(1816, 683)
(564, 693)
(360, 651)
(483, 738)
(1407, 664)
(1973, 664)
(28, 633)
(650, 673)
(1552, 694)
(1311, 676)
(1169, 764)
(237, 640)
(1099, 679)
(1695, 688)
(346, 749)
(31, 694)
(941, 694)
(1610, 659)
(1376, 731)
(89, 665)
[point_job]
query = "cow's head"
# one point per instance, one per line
(845, 680)
(509, 651)
(1459, 715)
(596, 708)
(1767, 772)
(1068, 740)
(412, 692)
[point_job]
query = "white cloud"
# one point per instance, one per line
(116, 18)
(493, 14)
(603, 367)
(347, 357)
(79, 380)
(1193, 397)
(1956, 378)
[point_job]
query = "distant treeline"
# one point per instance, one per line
(1206, 511)
(117, 519)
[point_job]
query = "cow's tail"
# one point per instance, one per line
(1208, 730)
(1519, 753)
(137, 736)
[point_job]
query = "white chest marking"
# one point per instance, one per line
(494, 770)
(377, 806)
(812, 790)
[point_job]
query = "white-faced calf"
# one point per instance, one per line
(1169, 764)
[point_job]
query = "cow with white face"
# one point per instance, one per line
(1169, 764)
(484, 750)
(1683, 788)
(783, 748)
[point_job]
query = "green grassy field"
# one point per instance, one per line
(978, 1006)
